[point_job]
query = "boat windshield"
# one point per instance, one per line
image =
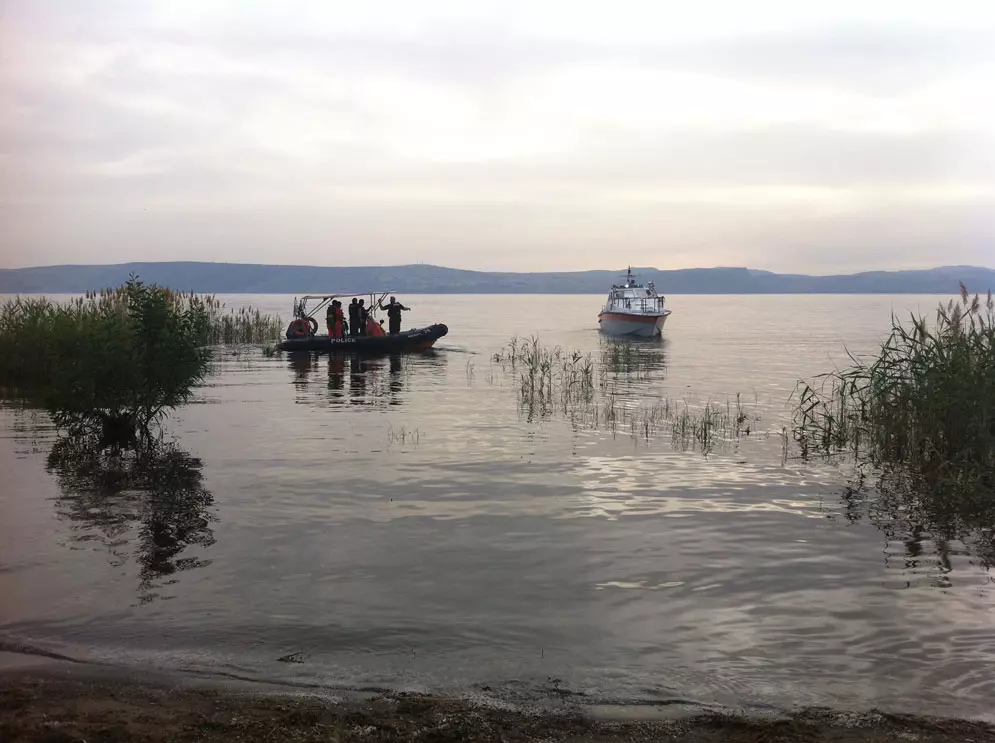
(634, 299)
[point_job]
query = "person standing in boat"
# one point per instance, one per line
(340, 316)
(354, 317)
(362, 316)
(336, 324)
(330, 319)
(394, 309)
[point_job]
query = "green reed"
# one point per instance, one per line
(549, 378)
(689, 426)
(23, 318)
(246, 325)
(926, 402)
(118, 358)
(586, 391)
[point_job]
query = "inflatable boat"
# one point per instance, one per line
(417, 339)
(302, 333)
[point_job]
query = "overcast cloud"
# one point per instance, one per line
(513, 136)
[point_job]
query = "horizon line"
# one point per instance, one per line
(484, 271)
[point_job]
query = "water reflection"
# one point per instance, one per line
(302, 364)
(633, 359)
(923, 521)
(158, 491)
(358, 380)
(396, 379)
(336, 375)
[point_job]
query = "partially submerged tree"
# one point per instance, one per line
(114, 361)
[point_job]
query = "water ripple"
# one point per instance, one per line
(400, 523)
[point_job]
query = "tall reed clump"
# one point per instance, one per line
(926, 403)
(228, 326)
(549, 377)
(114, 361)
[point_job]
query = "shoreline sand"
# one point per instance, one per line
(43, 699)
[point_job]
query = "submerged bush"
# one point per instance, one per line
(926, 403)
(115, 360)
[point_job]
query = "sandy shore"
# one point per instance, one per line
(70, 703)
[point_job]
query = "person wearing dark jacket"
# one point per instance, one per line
(354, 317)
(394, 309)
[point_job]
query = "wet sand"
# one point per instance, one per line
(57, 702)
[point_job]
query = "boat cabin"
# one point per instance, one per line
(634, 298)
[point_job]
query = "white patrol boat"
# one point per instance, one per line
(633, 310)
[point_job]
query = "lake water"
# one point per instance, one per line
(403, 524)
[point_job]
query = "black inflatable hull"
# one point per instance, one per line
(416, 339)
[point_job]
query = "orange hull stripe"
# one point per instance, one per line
(630, 318)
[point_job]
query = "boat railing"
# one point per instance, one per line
(618, 303)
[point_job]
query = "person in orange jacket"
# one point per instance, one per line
(374, 328)
(336, 321)
(330, 319)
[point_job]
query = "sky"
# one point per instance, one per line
(816, 137)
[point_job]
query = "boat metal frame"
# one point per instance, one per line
(301, 311)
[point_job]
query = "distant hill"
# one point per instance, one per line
(242, 278)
